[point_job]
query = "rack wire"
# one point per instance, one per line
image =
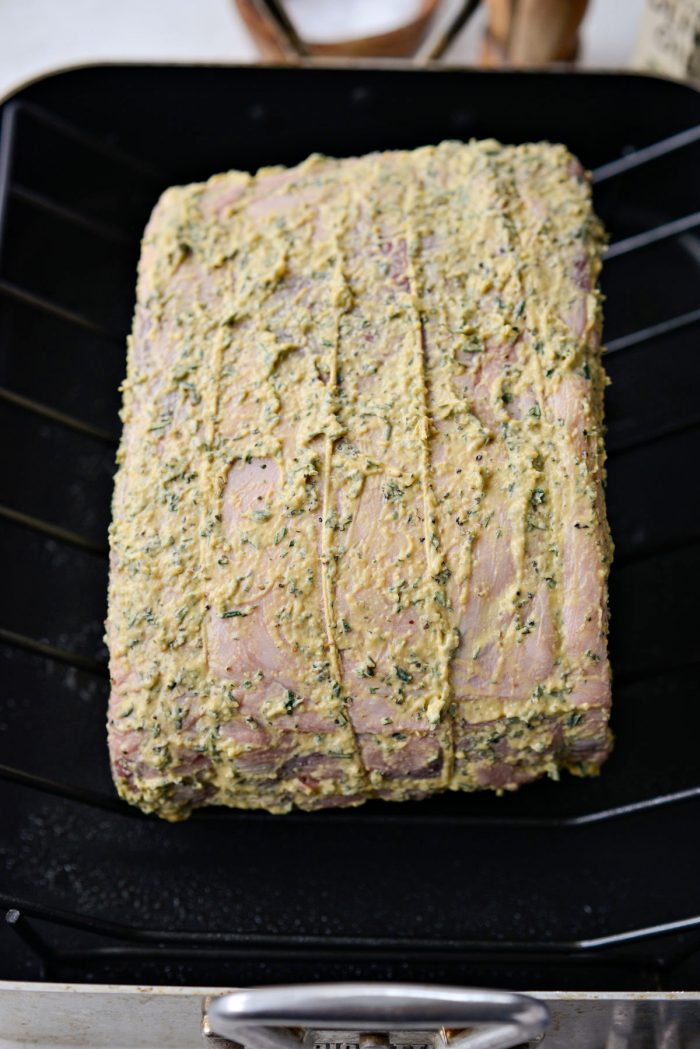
(138, 942)
(141, 943)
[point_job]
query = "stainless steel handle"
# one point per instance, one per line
(261, 1017)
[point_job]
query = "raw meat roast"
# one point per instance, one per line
(359, 546)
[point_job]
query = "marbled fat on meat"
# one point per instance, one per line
(359, 546)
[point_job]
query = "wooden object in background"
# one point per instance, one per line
(532, 32)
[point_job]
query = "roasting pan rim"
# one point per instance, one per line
(122, 69)
(55, 72)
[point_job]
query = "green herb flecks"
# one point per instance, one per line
(574, 719)
(392, 490)
(368, 670)
(291, 701)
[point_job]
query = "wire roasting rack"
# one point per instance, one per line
(58, 320)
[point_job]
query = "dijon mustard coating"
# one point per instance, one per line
(359, 546)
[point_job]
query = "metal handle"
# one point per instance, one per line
(260, 1017)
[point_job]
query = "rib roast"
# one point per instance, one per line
(359, 545)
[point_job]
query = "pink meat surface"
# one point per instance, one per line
(359, 546)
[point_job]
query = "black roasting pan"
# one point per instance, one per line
(581, 884)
